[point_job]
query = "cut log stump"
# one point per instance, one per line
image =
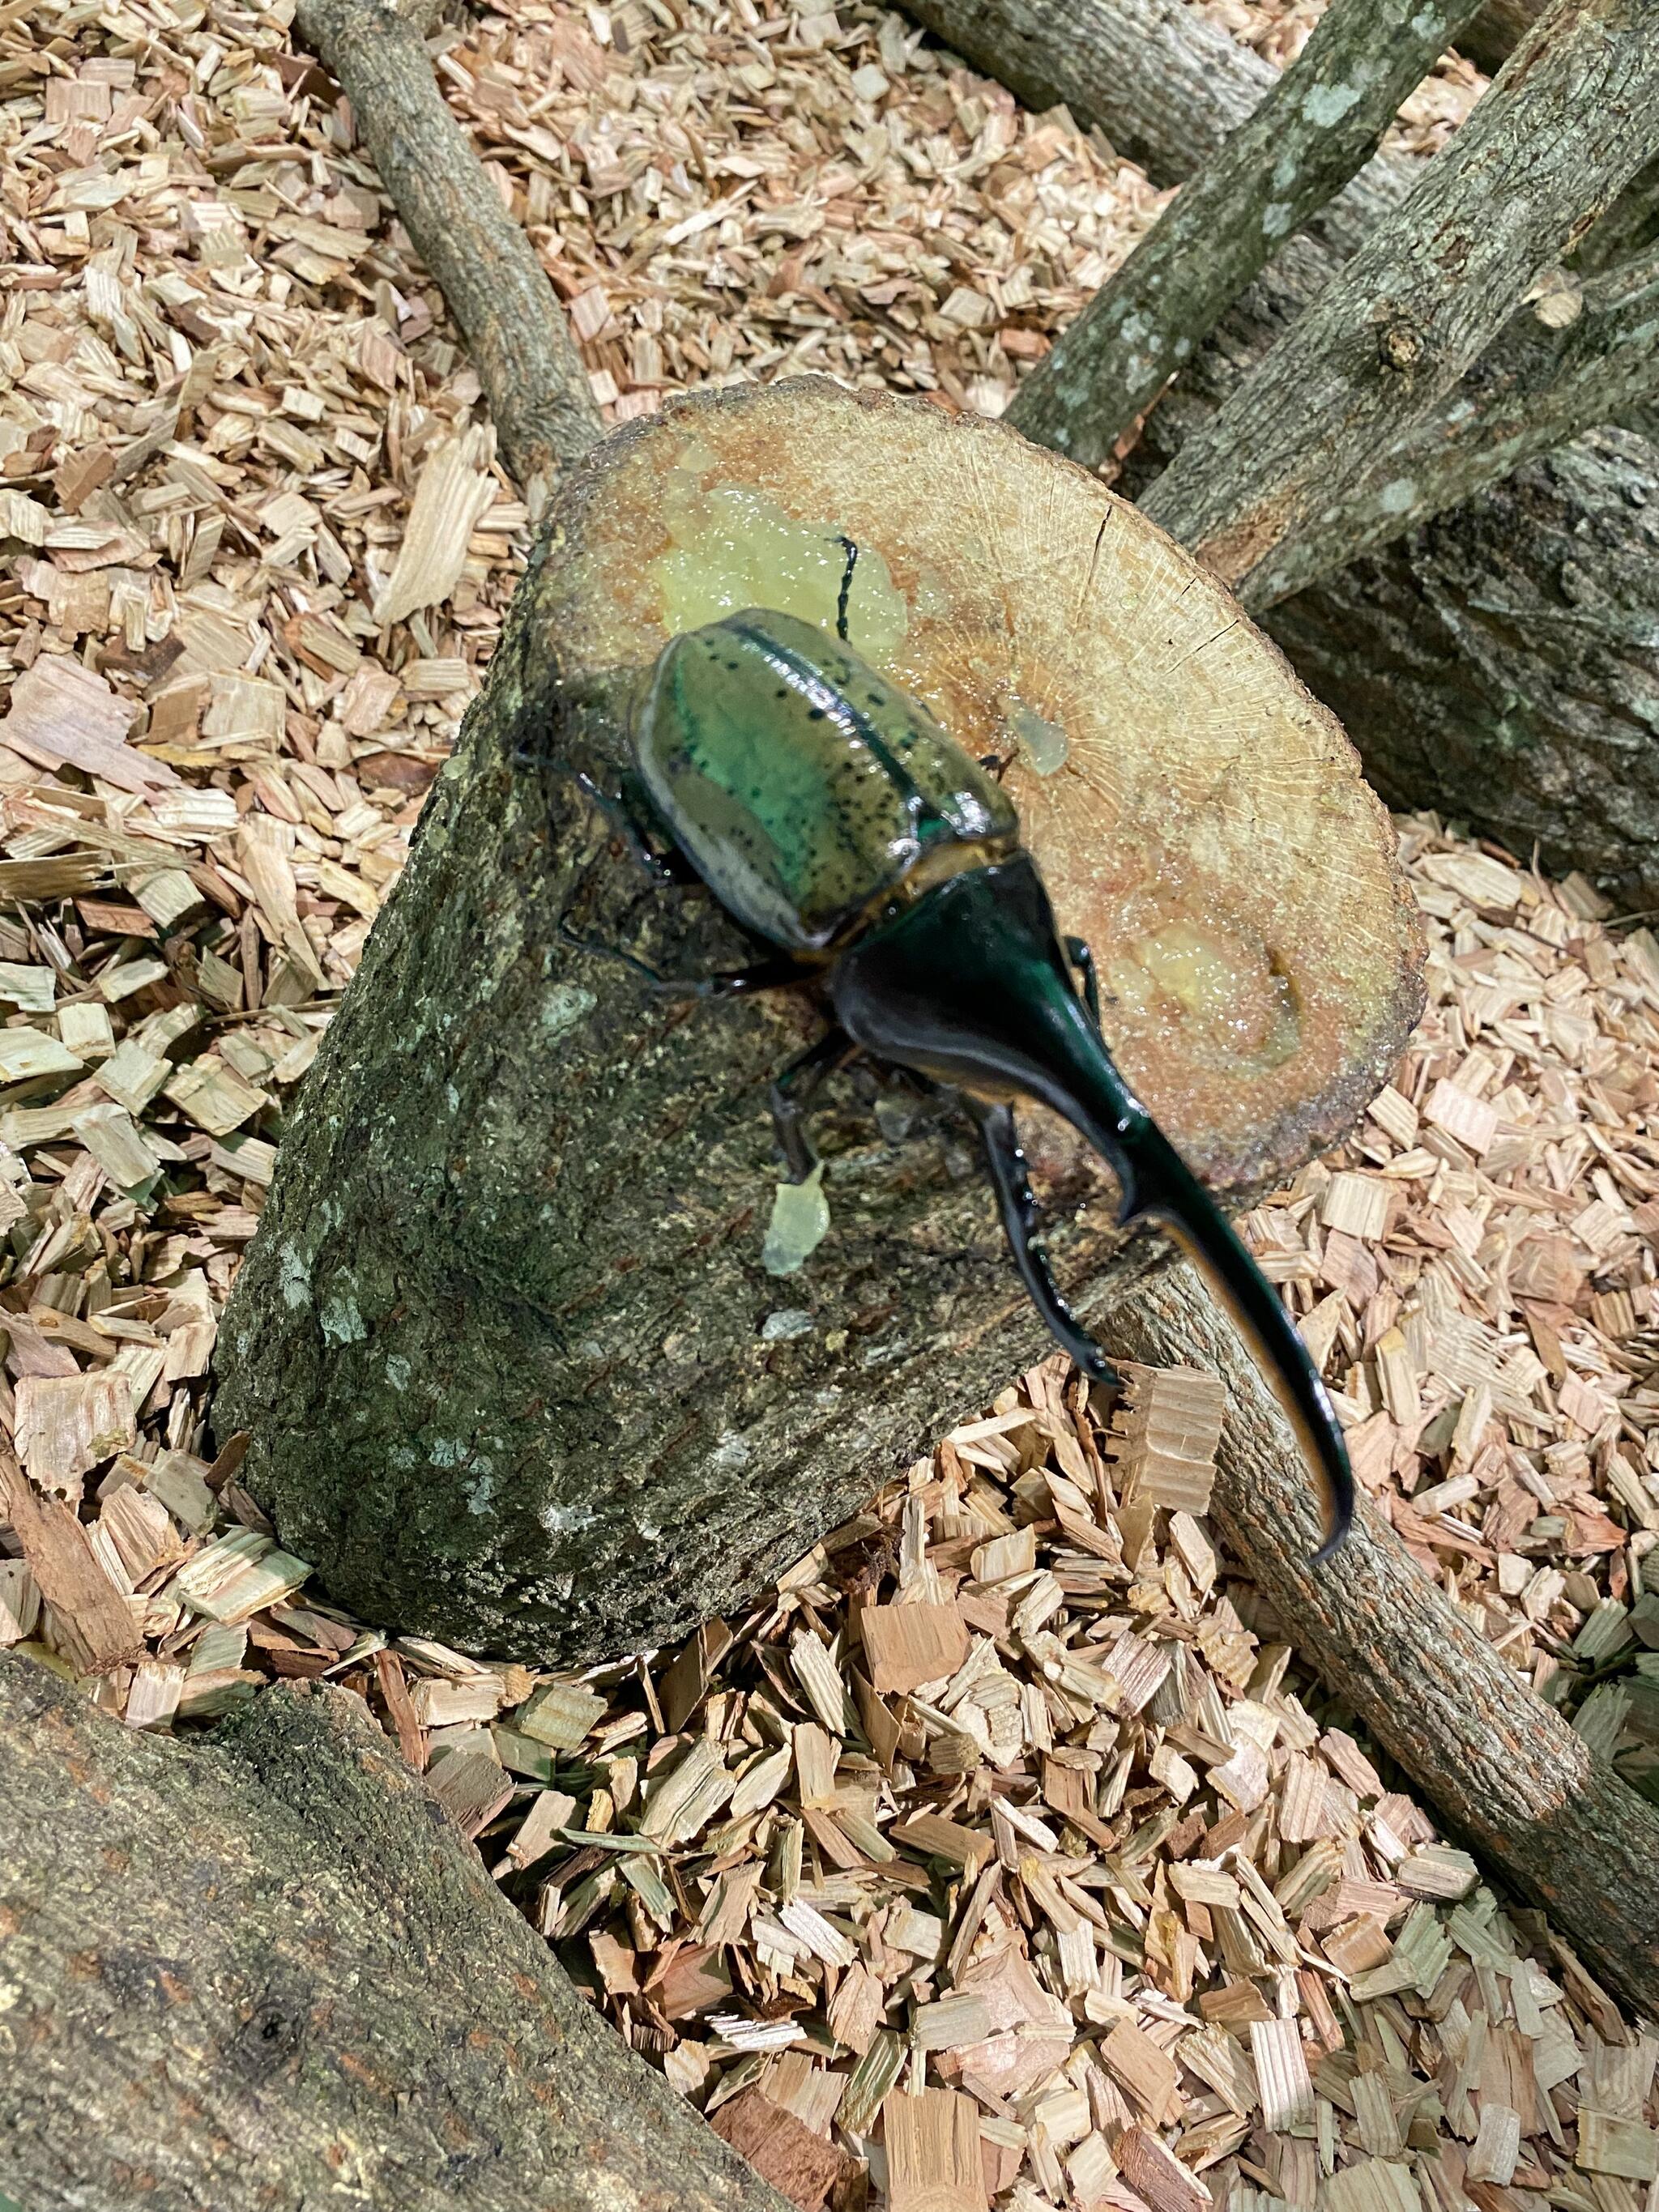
(516, 1372)
(264, 1970)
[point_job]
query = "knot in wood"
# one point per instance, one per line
(1399, 343)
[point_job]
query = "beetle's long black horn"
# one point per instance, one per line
(1157, 1185)
(970, 985)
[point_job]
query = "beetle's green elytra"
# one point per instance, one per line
(833, 816)
(803, 787)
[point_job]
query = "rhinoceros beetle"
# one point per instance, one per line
(831, 815)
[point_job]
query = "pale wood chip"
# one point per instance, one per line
(908, 1645)
(62, 712)
(1281, 2069)
(1154, 2172)
(93, 1624)
(455, 487)
(933, 2163)
(67, 1425)
(1624, 2147)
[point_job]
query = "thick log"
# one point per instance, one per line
(1517, 629)
(493, 285)
(1313, 130)
(516, 1368)
(1569, 120)
(1502, 663)
(263, 1970)
(1505, 1769)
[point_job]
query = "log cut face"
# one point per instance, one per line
(1197, 816)
(516, 1371)
(263, 1971)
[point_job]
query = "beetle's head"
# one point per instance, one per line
(970, 986)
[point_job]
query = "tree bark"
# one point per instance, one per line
(1502, 663)
(1505, 1769)
(517, 1371)
(1498, 664)
(263, 1970)
(1313, 130)
(1535, 391)
(1629, 228)
(1567, 123)
(485, 265)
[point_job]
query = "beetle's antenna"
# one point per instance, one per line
(846, 591)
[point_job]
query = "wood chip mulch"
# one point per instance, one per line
(1006, 1848)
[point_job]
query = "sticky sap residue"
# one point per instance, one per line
(799, 1224)
(1230, 990)
(1042, 744)
(731, 546)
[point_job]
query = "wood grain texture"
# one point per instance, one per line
(485, 265)
(1505, 1770)
(263, 1970)
(1571, 117)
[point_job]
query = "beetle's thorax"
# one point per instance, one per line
(967, 983)
(937, 862)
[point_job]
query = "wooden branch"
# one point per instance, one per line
(263, 1968)
(1571, 117)
(1314, 130)
(1537, 389)
(1505, 1770)
(1163, 82)
(1633, 222)
(485, 265)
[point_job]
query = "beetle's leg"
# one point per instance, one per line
(670, 868)
(1018, 1209)
(775, 975)
(793, 1092)
(779, 974)
(846, 591)
(1078, 952)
